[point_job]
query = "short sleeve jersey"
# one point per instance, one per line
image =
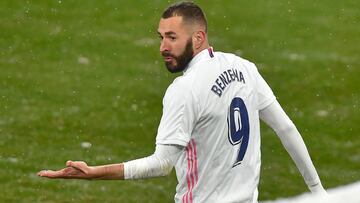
(213, 111)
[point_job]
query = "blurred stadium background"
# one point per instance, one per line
(83, 80)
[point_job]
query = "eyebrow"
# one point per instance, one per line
(167, 33)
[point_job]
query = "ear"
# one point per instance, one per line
(198, 39)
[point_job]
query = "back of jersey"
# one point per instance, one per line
(221, 162)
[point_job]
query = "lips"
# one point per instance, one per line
(168, 58)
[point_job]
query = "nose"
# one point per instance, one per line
(164, 46)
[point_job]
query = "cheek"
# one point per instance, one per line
(179, 48)
(175, 49)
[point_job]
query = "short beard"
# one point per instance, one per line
(182, 61)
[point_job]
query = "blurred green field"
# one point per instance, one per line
(75, 73)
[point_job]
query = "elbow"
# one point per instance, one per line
(165, 170)
(285, 129)
(159, 167)
(289, 136)
(164, 173)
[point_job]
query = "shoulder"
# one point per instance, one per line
(235, 61)
(179, 89)
(180, 83)
(232, 58)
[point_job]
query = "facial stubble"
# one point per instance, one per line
(182, 60)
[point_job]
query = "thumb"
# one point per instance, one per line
(80, 165)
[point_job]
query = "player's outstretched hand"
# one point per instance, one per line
(73, 170)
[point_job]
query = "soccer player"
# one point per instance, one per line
(209, 130)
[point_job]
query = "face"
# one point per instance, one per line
(176, 44)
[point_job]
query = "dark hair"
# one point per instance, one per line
(190, 12)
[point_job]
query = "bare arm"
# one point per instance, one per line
(158, 164)
(80, 170)
(276, 118)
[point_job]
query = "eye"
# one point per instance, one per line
(172, 38)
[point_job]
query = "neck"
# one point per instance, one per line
(200, 49)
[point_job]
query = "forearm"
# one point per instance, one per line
(158, 164)
(295, 146)
(108, 172)
(291, 139)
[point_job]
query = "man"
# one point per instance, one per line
(209, 129)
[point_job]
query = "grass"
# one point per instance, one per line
(89, 71)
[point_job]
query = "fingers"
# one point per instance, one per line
(42, 173)
(73, 170)
(50, 174)
(65, 173)
(54, 174)
(68, 163)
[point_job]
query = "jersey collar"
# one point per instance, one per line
(204, 54)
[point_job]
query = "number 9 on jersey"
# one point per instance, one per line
(238, 127)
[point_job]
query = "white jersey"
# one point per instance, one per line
(213, 110)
